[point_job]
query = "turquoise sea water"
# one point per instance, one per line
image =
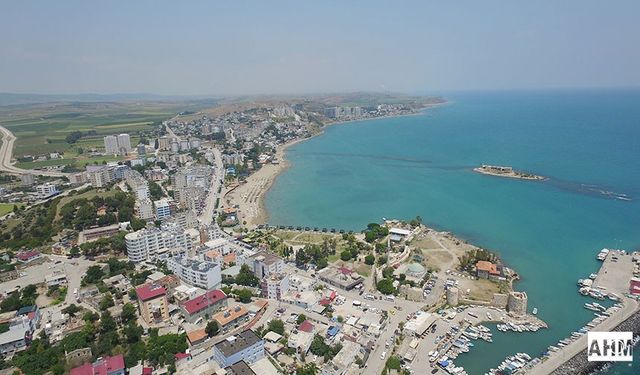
(586, 142)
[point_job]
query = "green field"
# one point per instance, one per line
(5, 208)
(42, 128)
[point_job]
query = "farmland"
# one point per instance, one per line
(43, 128)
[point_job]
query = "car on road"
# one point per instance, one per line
(383, 355)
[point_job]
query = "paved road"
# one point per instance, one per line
(207, 215)
(6, 150)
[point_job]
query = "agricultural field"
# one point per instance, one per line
(43, 128)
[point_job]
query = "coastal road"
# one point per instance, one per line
(6, 150)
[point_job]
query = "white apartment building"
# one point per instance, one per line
(198, 273)
(124, 143)
(111, 145)
(47, 190)
(144, 209)
(264, 263)
(163, 208)
(274, 286)
(153, 244)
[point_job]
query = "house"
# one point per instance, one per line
(231, 318)
(119, 282)
(204, 305)
(197, 337)
(17, 338)
(28, 256)
(102, 366)
(487, 270)
(245, 346)
(153, 304)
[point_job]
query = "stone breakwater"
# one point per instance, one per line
(578, 364)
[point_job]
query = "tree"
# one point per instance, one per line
(107, 324)
(128, 313)
(243, 295)
(106, 302)
(308, 369)
(93, 275)
(72, 309)
(276, 325)
(345, 255)
(245, 277)
(385, 286)
(212, 328)
(301, 318)
(370, 259)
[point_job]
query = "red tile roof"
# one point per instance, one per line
(489, 267)
(325, 302)
(150, 291)
(147, 370)
(306, 326)
(180, 356)
(26, 255)
(104, 366)
(202, 302)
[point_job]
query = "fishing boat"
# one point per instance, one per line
(590, 306)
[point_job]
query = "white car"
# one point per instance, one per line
(384, 354)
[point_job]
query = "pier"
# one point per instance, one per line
(613, 277)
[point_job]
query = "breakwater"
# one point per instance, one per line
(579, 365)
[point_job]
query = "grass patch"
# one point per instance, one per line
(5, 208)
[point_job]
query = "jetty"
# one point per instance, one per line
(613, 279)
(509, 172)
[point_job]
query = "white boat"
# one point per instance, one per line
(593, 276)
(535, 311)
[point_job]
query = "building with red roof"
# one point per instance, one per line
(203, 305)
(28, 256)
(103, 366)
(306, 326)
(486, 270)
(153, 303)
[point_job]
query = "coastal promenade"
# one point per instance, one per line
(6, 151)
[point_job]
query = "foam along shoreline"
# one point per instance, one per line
(249, 196)
(509, 172)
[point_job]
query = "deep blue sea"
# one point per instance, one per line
(587, 142)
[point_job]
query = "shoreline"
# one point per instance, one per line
(250, 195)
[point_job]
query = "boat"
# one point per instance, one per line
(590, 306)
(535, 311)
(593, 276)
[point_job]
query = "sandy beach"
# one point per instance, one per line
(249, 196)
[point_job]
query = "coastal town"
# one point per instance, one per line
(165, 262)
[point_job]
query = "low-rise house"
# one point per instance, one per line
(56, 279)
(245, 346)
(102, 366)
(119, 282)
(204, 305)
(231, 317)
(345, 357)
(17, 338)
(340, 277)
(28, 256)
(487, 270)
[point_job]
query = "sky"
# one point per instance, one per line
(274, 47)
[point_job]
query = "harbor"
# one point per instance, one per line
(611, 286)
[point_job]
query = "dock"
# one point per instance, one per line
(613, 277)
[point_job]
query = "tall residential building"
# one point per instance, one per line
(143, 209)
(111, 145)
(198, 273)
(124, 143)
(154, 243)
(163, 208)
(264, 263)
(152, 300)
